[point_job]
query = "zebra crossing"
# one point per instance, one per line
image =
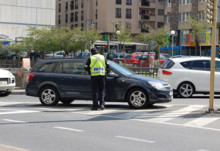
(181, 115)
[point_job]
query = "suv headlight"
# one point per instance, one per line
(157, 85)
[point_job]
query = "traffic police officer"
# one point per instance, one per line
(97, 66)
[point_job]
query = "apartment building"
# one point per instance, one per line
(17, 15)
(176, 13)
(106, 15)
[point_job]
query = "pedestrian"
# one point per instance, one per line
(97, 67)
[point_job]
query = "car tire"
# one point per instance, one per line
(66, 102)
(4, 93)
(137, 98)
(49, 96)
(186, 90)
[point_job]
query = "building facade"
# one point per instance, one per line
(17, 15)
(176, 14)
(106, 15)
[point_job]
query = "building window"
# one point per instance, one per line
(82, 4)
(96, 2)
(82, 26)
(128, 2)
(128, 25)
(59, 8)
(66, 6)
(66, 18)
(118, 13)
(118, 1)
(160, 24)
(185, 2)
(59, 19)
(128, 13)
(161, 1)
(76, 16)
(167, 18)
(82, 15)
(72, 17)
(96, 14)
(202, 1)
(76, 4)
(160, 11)
(202, 15)
(72, 5)
(168, 3)
(183, 16)
(145, 3)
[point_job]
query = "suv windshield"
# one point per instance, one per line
(120, 69)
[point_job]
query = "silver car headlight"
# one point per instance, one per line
(157, 85)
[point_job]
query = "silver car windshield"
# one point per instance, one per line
(120, 69)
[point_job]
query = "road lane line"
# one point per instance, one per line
(14, 121)
(18, 112)
(169, 116)
(136, 139)
(200, 122)
(70, 129)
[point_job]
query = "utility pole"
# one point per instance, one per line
(212, 10)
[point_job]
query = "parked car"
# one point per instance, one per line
(30, 54)
(8, 55)
(189, 75)
(65, 80)
(116, 57)
(58, 54)
(7, 82)
(132, 59)
(143, 60)
(83, 55)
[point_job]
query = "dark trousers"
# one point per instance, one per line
(98, 90)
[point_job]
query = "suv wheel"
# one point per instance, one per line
(186, 90)
(49, 96)
(137, 98)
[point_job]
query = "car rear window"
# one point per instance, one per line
(168, 64)
(48, 67)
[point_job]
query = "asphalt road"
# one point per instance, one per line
(180, 125)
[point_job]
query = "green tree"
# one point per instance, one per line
(198, 29)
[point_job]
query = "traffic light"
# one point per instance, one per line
(209, 11)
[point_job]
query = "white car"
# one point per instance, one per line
(190, 75)
(7, 82)
(58, 54)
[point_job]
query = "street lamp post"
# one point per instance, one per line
(172, 33)
(118, 33)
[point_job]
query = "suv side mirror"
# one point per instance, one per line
(114, 75)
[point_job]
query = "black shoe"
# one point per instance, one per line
(102, 107)
(94, 109)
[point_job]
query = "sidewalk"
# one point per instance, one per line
(18, 91)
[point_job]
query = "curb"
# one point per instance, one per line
(18, 91)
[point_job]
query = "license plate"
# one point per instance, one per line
(3, 82)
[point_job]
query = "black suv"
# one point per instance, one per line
(65, 80)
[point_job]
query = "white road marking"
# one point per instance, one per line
(14, 121)
(200, 122)
(169, 116)
(136, 139)
(99, 112)
(18, 112)
(69, 129)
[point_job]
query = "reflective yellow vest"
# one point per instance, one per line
(97, 65)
